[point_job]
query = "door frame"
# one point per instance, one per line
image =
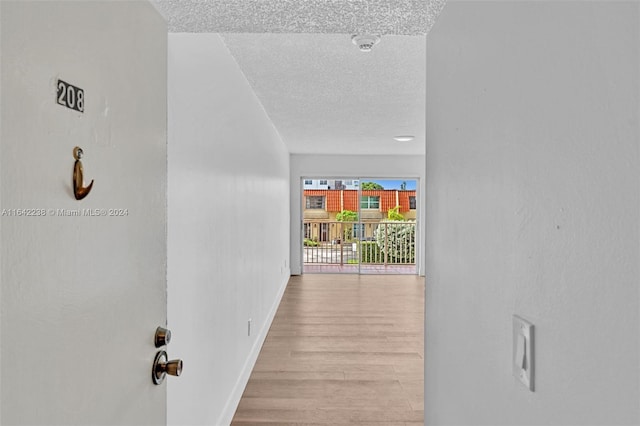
(419, 265)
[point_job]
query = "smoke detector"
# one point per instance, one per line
(365, 42)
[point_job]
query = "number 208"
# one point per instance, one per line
(70, 96)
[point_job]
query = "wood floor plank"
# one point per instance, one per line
(334, 416)
(325, 403)
(342, 349)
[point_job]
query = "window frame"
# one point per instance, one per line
(369, 199)
(313, 206)
(413, 206)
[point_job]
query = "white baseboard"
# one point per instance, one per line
(236, 394)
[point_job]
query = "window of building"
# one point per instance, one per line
(348, 182)
(323, 182)
(358, 231)
(370, 202)
(308, 182)
(412, 202)
(315, 202)
(324, 232)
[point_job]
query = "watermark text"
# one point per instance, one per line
(50, 212)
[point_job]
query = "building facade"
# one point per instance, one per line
(337, 184)
(322, 206)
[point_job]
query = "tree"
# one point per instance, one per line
(394, 214)
(347, 216)
(371, 185)
(403, 186)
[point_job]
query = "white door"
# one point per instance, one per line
(83, 283)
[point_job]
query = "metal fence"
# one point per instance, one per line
(340, 243)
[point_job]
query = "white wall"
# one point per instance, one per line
(533, 209)
(228, 228)
(351, 166)
(82, 295)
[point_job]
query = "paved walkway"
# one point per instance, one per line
(363, 269)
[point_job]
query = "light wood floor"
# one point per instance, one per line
(342, 349)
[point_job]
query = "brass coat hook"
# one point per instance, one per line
(79, 190)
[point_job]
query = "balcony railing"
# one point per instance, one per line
(344, 243)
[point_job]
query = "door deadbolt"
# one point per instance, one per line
(162, 366)
(162, 337)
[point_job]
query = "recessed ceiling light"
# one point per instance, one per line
(404, 138)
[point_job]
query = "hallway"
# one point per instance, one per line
(342, 349)
(199, 121)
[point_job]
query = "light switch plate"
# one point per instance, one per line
(522, 356)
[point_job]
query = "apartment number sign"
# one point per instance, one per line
(70, 96)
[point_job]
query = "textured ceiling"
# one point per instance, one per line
(399, 17)
(324, 95)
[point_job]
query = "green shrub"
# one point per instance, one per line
(394, 214)
(347, 216)
(310, 243)
(370, 252)
(397, 240)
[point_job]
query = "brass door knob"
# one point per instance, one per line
(162, 337)
(162, 366)
(173, 367)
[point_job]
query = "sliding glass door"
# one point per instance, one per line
(365, 226)
(388, 217)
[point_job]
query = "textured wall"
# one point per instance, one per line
(533, 209)
(228, 228)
